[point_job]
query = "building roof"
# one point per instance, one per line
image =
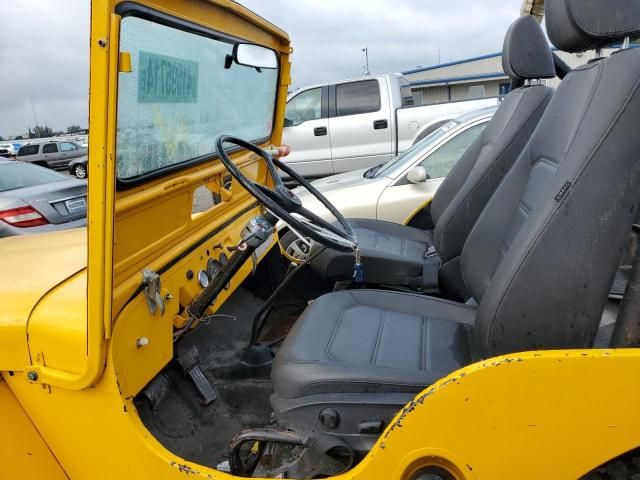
(481, 57)
(456, 62)
(459, 79)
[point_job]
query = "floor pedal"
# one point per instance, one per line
(189, 360)
(157, 390)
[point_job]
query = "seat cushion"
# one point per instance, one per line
(367, 341)
(390, 253)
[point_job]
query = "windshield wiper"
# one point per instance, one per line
(371, 173)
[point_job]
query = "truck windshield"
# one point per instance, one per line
(399, 163)
(179, 96)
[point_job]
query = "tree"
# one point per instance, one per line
(40, 132)
(19, 137)
(73, 128)
(1, 138)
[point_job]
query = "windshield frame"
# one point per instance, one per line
(131, 9)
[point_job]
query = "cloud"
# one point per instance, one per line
(44, 53)
(328, 36)
(45, 56)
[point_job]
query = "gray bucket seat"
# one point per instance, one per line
(395, 254)
(538, 262)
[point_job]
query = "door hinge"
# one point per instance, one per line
(151, 283)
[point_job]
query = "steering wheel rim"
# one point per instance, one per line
(283, 203)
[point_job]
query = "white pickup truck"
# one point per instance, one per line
(359, 123)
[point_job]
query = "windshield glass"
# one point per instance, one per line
(179, 97)
(399, 163)
(15, 175)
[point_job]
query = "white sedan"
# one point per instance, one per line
(397, 190)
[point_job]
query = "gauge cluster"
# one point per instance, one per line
(213, 267)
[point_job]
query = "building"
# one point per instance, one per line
(476, 77)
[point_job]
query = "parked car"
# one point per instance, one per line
(354, 124)
(396, 190)
(11, 148)
(5, 153)
(34, 199)
(79, 167)
(52, 154)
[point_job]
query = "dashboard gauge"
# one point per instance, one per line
(223, 260)
(203, 279)
(213, 268)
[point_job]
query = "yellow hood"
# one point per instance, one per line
(30, 267)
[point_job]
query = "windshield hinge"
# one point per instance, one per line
(151, 283)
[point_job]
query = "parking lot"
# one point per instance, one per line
(355, 240)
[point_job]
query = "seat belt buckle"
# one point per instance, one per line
(431, 252)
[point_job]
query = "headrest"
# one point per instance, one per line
(579, 25)
(526, 53)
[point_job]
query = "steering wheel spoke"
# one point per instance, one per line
(267, 191)
(319, 221)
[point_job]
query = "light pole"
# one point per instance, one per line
(35, 117)
(366, 60)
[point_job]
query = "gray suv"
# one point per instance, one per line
(54, 154)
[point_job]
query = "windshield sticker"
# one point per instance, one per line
(164, 79)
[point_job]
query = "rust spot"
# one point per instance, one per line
(411, 406)
(184, 468)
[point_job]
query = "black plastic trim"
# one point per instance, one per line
(325, 102)
(133, 9)
(332, 100)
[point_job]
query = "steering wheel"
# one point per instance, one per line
(285, 205)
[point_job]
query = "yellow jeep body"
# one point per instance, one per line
(78, 342)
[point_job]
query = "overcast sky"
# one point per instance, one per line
(44, 50)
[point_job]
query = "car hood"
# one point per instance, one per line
(351, 193)
(31, 266)
(342, 180)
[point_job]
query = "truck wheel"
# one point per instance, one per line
(80, 171)
(294, 247)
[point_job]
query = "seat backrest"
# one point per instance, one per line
(542, 256)
(465, 191)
